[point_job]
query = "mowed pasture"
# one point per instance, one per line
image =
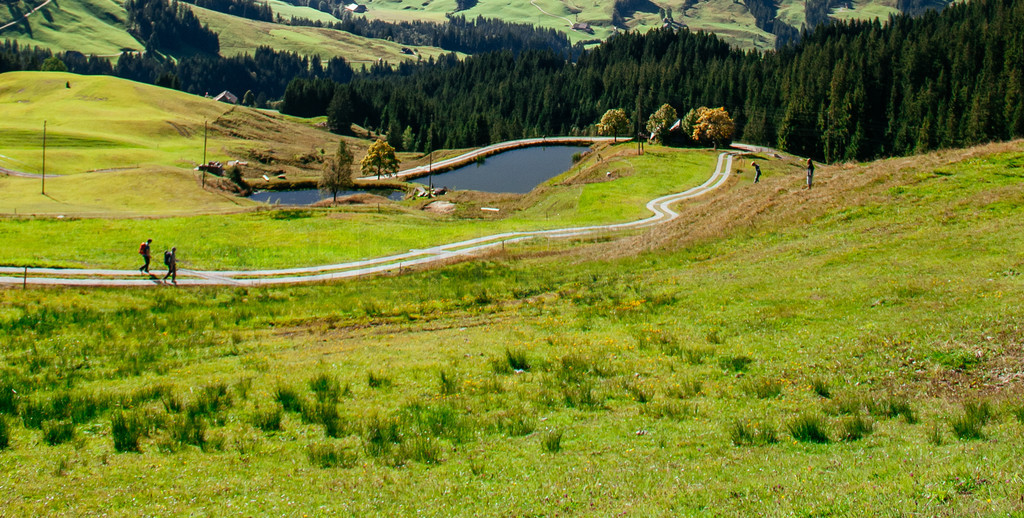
(584, 195)
(853, 350)
(242, 36)
(87, 26)
(139, 145)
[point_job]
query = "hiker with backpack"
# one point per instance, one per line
(171, 260)
(757, 172)
(144, 251)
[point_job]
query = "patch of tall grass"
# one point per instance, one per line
(763, 388)
(808, 428)
(126, 429)
(267, 419)
(968, 424)
(736, 363)
(378, 380)
(752, 433)
(331, 455)
(856, 427)
(58, 432)
(551, 441)
(5, 433)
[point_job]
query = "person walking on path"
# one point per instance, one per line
(810, 173)
(146, 253)
(171, 260)
(757, 172)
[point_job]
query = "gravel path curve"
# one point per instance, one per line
(660, 207)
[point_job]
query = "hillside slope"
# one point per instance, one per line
(87, 26)
(853, 350)
(102, 122)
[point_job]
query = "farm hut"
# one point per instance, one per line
(226, 97)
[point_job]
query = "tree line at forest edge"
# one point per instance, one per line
(853, 90)
(850, 90)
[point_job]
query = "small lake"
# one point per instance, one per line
(311, 196)
(516, 171)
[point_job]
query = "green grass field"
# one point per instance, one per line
(241, 36)
(100, 124)
(87, 26)
(289, 238)
(853, 350)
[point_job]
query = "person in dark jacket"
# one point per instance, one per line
(810, 173)
(146, 253)
(171, 260)
(757, 172)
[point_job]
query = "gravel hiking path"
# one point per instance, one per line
(660, 207)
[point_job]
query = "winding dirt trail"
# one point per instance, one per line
(660, 207)
(15, 22)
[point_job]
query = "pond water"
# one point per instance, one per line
(516, 171)
(311, 196)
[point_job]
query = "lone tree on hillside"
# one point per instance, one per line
(53, 64)
(613, 122)
(337, 173)
(713, 126)
(660, 122)
(380, 159)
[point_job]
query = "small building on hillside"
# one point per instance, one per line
(583, 27)
(355, 8)
(226, 97)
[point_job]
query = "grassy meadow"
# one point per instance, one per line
(851, 350)
(301, 237)
(243, 36)
(87, 26)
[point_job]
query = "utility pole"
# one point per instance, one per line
(44, 158)
(204, 142)
(203, 167)
(639, 144)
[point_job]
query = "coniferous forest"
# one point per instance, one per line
(846, 91)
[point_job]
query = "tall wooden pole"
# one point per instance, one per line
(204, 143)
(203, 167)
(44, 158)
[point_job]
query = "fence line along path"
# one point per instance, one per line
(661, 209)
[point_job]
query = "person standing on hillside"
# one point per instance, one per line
(757, 172)
(810, 173)
(145, 252)
(171, 260)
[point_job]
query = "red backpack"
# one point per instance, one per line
(143, 248)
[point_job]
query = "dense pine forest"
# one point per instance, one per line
(846, 91)
(458, 34)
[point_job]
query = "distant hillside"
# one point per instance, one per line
(98, 26)
(87, 26)
(733, 20)
(104, 123)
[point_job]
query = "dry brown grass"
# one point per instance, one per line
(780, 199)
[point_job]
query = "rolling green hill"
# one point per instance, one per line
(100, 125)
(854, 350)
(88, 26)
(727, 18)
(240, 36)
(98, 27)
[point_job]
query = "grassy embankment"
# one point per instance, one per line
(853, 350)
(138, 143)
